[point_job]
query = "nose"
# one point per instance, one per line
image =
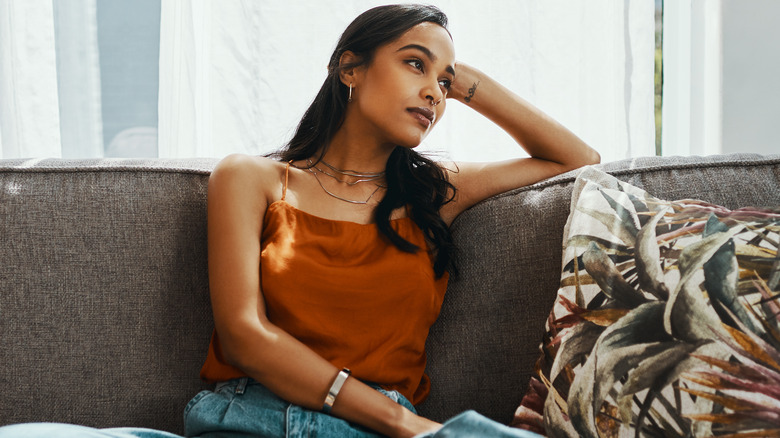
(433, 93)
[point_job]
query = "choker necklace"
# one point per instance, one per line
(352, 172)
(365, 177)
(362, 177)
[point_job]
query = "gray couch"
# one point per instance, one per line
(104, 308)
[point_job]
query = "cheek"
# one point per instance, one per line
(382, 100)
(376, 100)
(380, 85)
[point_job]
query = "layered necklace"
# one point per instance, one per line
(342, 175)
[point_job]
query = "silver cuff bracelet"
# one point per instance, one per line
(334, 390)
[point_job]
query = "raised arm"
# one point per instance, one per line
(240, 189)
(553, 148)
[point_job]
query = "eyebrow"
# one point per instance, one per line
(427, 53)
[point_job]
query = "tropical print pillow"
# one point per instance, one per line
(667, 320)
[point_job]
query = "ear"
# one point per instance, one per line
(348, 74)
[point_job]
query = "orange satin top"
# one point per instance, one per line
(349, 294)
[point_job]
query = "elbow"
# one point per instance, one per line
(238, 343)
(232, 357)
(577, 154)
(593, 157)
(588, 157)
(231, 352)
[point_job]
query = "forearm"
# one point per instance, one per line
(540, 135)
(297, 374)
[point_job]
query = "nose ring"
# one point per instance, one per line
(435, 103)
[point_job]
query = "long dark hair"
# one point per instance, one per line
(412, 179)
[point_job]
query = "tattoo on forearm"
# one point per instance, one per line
(472, 90)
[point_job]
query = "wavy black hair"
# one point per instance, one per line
(412, 179)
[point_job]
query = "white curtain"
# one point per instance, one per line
(236, 76)
(212, 97)
(29, 113)
(49, 79)
(78, 78)
(693, 78)
(589, 64)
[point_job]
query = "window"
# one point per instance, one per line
(720, 70)
(107, 73)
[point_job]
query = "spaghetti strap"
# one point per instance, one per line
(286, 175)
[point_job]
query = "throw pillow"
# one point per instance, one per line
(666, 323)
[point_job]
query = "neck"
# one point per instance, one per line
(351, 149)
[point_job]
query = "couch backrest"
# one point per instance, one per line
(104, 309)
(104, 306)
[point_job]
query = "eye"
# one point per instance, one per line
(416, 63)
(445, 83)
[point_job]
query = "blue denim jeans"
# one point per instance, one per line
(470, 424)
(244, 408)
(57, 430)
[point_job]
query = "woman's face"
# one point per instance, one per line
(394, 95)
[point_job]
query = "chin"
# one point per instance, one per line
(411, 143)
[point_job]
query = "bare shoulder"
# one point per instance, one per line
(247, 166)
(251, 177)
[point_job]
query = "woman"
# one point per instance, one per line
(350, 230)
(310, 222)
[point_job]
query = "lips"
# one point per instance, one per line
(424, 115)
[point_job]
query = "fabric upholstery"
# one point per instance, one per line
(104, 309)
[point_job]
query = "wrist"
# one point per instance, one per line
(467, 81)
(411, 424)
(334, 390)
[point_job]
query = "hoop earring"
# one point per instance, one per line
(349, 99)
